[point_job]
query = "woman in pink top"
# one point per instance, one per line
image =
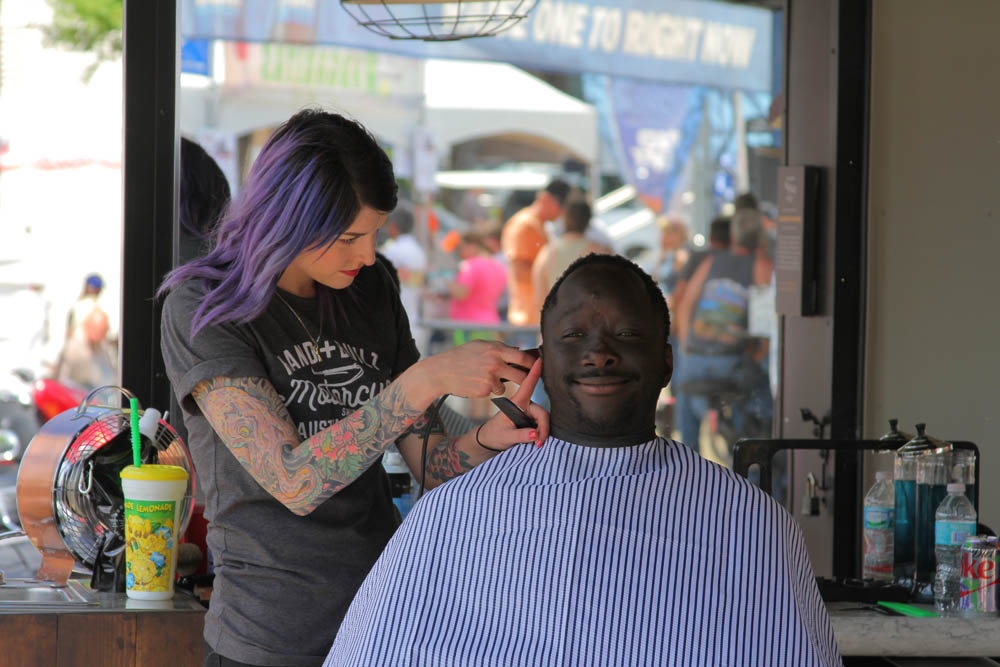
(475, 293)
(480, 283)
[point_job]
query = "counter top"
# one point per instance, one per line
(110, 603)
(86, 601)
(863, 631)
(111, 630)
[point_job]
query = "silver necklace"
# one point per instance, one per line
(301, 323)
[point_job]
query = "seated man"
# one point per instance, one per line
(606, 546)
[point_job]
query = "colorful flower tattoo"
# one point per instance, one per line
(253, 422)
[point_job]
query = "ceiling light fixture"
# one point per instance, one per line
(437, 21)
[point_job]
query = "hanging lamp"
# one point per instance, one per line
(437, 21)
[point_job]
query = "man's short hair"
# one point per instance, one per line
(746, 229)
(746, 200)
(656, 299)
(559, 189)
(475, 238)
(403, 219)
(577, 216)
(719, 231)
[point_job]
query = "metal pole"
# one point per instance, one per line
(149, 165)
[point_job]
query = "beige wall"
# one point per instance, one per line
(933, 339)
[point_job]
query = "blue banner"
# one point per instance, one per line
(657, 125)
(196, 57)
(698, 42)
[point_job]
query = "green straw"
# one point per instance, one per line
(133, 404)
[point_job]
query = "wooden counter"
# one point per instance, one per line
(116, 633)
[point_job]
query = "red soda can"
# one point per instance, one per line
(979, 576)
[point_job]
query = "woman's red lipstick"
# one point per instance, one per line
(351, 273)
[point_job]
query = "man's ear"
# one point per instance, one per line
(668, 364)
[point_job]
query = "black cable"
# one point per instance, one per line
(435, 416)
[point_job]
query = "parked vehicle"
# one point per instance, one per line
(52, 397)
(626, 220)
(26, 404)
(19, 421)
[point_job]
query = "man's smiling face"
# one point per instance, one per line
(604, 353)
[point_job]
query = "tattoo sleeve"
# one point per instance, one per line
(420, 424)
(251, 419)
(446, 461)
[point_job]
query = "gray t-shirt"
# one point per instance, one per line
(283, 582)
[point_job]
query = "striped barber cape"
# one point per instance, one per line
(570, 555)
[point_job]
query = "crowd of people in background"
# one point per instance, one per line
(492, 278)
(721, 294)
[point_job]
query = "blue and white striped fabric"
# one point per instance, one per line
(571, 555)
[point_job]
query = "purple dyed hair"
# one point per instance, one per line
(306, 187)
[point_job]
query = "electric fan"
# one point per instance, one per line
(69, 492)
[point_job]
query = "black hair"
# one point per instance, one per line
(719, 231)
(746, 200)
(517, 200)
(204, 191)
(577, 216)
(656, 298)
(746, 228)
(559, 189)
(475, 238)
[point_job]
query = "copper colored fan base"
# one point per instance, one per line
(35, 480)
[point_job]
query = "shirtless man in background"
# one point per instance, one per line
(521, 240)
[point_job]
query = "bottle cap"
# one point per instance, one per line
(882, 475)
(956, 487)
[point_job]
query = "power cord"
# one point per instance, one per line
(435, 418)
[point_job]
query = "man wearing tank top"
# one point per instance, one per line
(712, 330)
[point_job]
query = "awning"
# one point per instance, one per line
(456, 101)
(674, 41)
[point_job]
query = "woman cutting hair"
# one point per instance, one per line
(292, 359)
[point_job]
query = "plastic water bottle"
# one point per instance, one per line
(879, 529)
(954, 521)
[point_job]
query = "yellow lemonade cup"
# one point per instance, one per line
(154, 495)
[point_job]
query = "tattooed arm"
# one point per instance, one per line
(252, 421)
(450, 456)
(447, 455)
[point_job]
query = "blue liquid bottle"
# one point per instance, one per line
(905, 479)
(933, 476)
